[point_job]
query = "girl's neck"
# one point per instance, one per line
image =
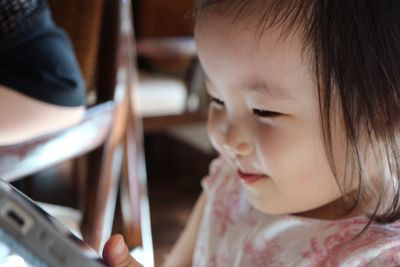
(332, 211)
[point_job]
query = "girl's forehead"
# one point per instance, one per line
(248, 30)
(231, 51)
(212, 20)
(287, 16)
(275, 53)
(225, 35)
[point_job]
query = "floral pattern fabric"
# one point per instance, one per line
(232, 233)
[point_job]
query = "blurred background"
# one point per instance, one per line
(177, 148)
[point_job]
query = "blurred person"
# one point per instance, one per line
(41, 86)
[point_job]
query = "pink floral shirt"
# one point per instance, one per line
(232, 233)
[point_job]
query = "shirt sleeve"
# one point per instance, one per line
(37, 59)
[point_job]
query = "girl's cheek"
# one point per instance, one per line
(304, 180)
(215, 126)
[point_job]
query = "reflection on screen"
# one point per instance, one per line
(14, 254)
(9, 259)
(14, 261)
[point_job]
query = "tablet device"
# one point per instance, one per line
(30, 237)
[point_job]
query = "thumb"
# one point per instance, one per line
(116, 253)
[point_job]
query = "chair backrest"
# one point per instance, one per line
(115, 78)
(84, 31)
(93, 27)
(156, 18)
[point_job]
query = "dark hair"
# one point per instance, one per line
(355, 53)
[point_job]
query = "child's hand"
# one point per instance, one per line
(116, 253)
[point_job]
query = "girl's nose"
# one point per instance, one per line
(238, 141)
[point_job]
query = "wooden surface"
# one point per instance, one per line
(123, 149)
(157, 18)
(104, 164)
(166, 47)
(83, 30)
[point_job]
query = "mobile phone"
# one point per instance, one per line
(30, 237)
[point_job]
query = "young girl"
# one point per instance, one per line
(305, 115)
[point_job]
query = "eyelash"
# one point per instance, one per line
(256, 111)
(217, 101)
(265, 113)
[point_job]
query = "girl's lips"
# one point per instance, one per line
(249, 178)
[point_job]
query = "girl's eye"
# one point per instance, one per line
(217, 101)
(265, 113)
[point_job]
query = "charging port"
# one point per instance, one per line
(18, 220)
(16, 217)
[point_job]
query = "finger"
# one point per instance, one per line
(116, 253)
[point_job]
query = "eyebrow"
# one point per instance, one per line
(261, 87)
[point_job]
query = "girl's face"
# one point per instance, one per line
(264, 115)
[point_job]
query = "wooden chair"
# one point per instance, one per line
(109, 136)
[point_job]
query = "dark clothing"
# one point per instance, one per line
(36, 57)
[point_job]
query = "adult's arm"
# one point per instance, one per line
(23, 118)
